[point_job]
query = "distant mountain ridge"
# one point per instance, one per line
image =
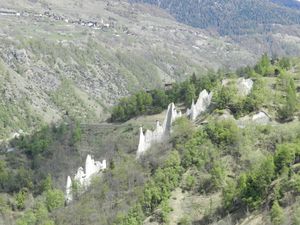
(233, 17)
(288, 3)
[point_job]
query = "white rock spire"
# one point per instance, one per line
(160, 132)
(203, 102)
(83, 176)
(244, 86)
(69, 194)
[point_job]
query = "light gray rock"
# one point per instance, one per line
(160, 132)
(69, 195)
(260, 118)
(203, 102)
(83, 176)
(244, 86)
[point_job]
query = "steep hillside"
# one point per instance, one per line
(71, 59)
(230, 17)
(258, 25)
(289, 3)
(224, 168)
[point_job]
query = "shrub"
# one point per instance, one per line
(183, 130)
(296, 216)
(197, 151)
(20, 199)
(54, 199)
(276, 214)
(190, 182)
(28, 219)
(286, 112)
(134, 217)
(217, 176)
(224, 134)
(184, 221)
(253, 186)
(77, 133)
(285, 155)
(295, 183)
(229, 193)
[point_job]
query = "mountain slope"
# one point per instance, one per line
(229, 17)
(257, 25)
(289, 3)
(219, 169)
(68, 59)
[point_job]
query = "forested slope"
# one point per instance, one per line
(229, 17)
(214, 171)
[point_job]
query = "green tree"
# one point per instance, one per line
(254, 186)
(296, 216)
(285, 155)
(135, 216)
(284, 63)
(224, 133)
(224, 96)
(42, 215)
(229, 192)
(277, 217)
(47, 183)
(257, 97)
(183, 130)
(190, 182)
(54, 199)
(217, 176)
(3, 175)
(77, 133)
(263, 67)
(190, 94)
(118, 113)
(290, 103)
(28, 219)
(20, 199)
(160, 99)
(144, 101)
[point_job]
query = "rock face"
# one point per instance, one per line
(160, 132)
(83, 177)
(244, 86)
(260, 118)
(201, 105)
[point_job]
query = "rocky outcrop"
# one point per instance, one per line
(201, 105)
(83, 177)
(160, 132)
(260, 118)
(244, 86)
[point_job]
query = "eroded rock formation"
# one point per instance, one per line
(244, 86)
(160, 132)
(201, 105)
(163, 131)
(260, 118)
(83, 177)
(69, 195)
